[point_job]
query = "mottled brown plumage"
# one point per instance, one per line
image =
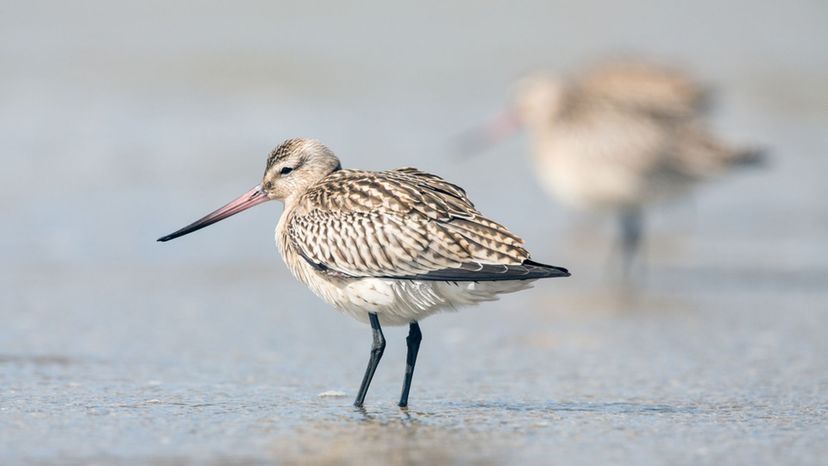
(390, 247)
(643, 87)
(397, 223)
(397, 242)
(401, 243)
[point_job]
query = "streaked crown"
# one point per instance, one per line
(538, 98)
(295, 165)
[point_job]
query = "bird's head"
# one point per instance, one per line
(295, 165)
(537, 98)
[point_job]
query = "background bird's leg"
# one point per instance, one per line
(631, 234)
(377, 348)
(413, 341)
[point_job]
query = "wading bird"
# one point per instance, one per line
(387, 248)
(618, 137)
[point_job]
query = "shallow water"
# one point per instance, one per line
(119, 125)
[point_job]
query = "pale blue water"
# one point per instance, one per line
(120, 124)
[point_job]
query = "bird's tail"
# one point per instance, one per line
(749, 157)
(701, 154)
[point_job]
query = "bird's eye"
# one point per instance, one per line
(286, 170)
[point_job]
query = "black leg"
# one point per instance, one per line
(631, 236)
(413, 341)
(377, 348)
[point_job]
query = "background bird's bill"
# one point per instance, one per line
(245, 201)
(476, 140)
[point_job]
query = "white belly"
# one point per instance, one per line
(606, 174)
(398, 302)
(584, 182)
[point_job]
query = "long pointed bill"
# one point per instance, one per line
(249, 199)
(481, 138)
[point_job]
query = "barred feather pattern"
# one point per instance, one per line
(649, 88)
(361, 239)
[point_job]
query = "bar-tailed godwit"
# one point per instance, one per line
(387, 248)
(618, 137)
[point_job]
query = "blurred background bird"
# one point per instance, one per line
(617, 137)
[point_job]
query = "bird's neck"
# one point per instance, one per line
(282, 227)
(541, 137)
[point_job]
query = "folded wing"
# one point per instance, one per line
(405, 224)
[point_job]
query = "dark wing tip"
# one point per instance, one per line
(755, 156)
(552, 270)
(477, 272)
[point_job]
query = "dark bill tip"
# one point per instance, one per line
(249, 199)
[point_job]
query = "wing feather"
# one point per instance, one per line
(657, 90)
(403, 224)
